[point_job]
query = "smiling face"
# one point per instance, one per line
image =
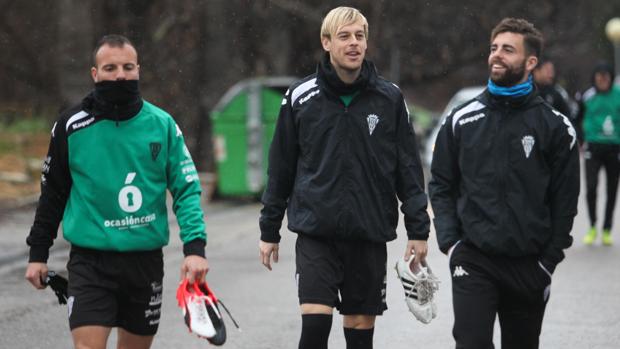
(347, 48)
(509, 63)
(116, 63)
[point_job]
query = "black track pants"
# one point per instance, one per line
(516, 289)
(597, 156)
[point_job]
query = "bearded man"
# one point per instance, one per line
(504, 188)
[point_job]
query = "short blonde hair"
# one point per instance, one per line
(341, 16)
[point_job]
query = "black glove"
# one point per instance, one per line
(58, 284)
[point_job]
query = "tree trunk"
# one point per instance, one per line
(74, 47)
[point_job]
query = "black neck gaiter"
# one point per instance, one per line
(327, 72)
(117, 92)
(117, 99)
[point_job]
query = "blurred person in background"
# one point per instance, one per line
(548, 88)
(599, 118)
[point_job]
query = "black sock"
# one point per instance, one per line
(315, 331)
(359, 339)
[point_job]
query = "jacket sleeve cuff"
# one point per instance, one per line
(549, 265)
(416, 236)
(38, 254)
(195, 247)
(445, 246)
(273, 238)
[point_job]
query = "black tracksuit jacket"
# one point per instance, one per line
(337, 170)
(505, 178)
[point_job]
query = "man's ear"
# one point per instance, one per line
(531, 63)
(327, 43)
(93, 73)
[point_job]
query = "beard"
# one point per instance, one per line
(510, 77)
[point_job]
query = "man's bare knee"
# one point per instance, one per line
(90, 337)
(311, 308)
(128, 340)
(359, 322)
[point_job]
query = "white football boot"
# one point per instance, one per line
(420, 286)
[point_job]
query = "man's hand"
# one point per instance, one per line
(36, 273)
(267, 249)
(417, 248)
(194, 268)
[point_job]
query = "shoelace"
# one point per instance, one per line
(229, 314)
(424, 287)
(202, 316)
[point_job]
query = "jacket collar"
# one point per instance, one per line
(329, 81)
(103, 110)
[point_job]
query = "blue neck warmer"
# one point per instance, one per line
(513, 91)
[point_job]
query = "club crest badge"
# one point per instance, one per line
(373, 120)
(155, 149)
(528, 145)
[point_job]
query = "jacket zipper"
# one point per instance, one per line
(504, 162)
(349, 161)
(348, 166)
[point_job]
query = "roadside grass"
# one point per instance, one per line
(23, 145)
(23, 136)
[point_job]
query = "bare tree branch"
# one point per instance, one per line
(299, 9)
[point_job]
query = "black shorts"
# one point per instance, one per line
(354, 268)
(115, 289)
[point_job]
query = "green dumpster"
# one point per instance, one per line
(243, 126)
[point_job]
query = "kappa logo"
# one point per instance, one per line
(372, 120)
(528, 145)
(459, 271)
(471, 119)
(155, 149)
(310, 95)
(83, 123)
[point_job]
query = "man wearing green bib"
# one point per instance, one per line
(110, 161)
(600, 112)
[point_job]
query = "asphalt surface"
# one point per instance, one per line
(583, 312)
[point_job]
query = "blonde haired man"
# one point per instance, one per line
(342, 16)
(342, 153)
